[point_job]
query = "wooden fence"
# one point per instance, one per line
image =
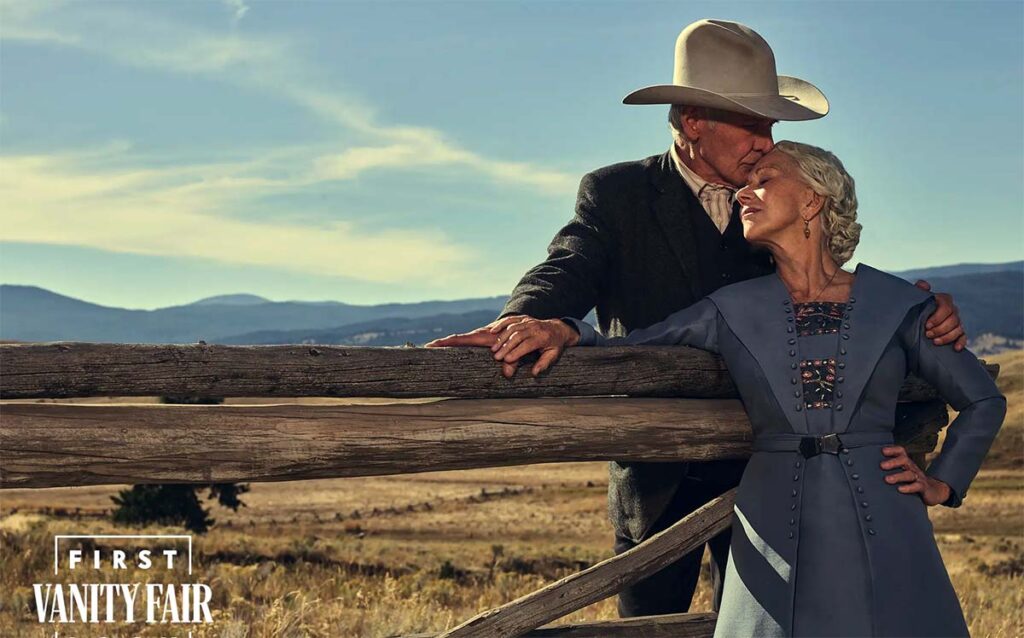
(452, 409)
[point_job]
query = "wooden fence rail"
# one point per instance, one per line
(627, 404)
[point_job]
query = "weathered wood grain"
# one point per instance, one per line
(695, 625)
(603, 579)
(66, 370)
(49, 445)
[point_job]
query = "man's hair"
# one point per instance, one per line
(827, 176)
(675, 120)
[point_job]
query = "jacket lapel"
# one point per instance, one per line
(672, 201)
(756, 311)
(878, 304)
(759, 317)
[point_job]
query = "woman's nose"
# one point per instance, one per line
(745, 195)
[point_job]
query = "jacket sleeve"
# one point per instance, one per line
(695, 325)
(567, 282)
(965, 384)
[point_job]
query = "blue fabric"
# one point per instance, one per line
(861, 554)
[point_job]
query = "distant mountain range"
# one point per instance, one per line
(990, 298)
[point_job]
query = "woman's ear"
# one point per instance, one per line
(815, 202)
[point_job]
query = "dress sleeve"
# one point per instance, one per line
(696, 325)
(965, 384)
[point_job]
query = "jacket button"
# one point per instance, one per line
(792, 341)
(788, 310)
(840, 379)
(789, 318)
(791, 534)
(792, 506)
(839, 407)
(796, 477)
(839, 394)
(842, 351)
(785, 302)
(849, 461)
(846, 450)
(792, 521)
(792, 366)
(792, 380)
(867, 517)
(855, 476)
(799, 406)
(860, 490)
(852, 300)
(846, 336)
(797, 464)
(789, 328)
(841, 364)
(792, 353)
(792, 493)
(863, 503)
(871, 531)
(796, 394)
(846, 325)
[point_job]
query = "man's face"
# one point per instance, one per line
(731, 143)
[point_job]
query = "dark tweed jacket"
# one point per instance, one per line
(630, 253)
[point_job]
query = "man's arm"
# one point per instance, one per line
(567, 282)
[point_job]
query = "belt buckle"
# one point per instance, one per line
(814, 445)
(831, 444)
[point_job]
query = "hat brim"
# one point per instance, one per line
(797, 100)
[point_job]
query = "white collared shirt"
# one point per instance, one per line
(716, 199)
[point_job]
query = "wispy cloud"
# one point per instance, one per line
(182, 211)
(238, 8)
(95, 198)
(273, 65)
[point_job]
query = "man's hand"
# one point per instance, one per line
(479, 337)
(520, 335)
(944, 325)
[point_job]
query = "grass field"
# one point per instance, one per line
(386, 556)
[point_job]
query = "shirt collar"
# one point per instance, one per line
(692, 179)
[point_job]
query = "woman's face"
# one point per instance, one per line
(774, 201)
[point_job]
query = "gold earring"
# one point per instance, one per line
(807, 228)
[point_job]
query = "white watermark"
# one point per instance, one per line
(82, 601)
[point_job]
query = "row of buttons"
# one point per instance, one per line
(859, 489)
(795, 492)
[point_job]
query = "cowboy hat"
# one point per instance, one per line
(727, 65)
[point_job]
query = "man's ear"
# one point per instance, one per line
(692, 123)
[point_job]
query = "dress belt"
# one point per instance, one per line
(832, 443)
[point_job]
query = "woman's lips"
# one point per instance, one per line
(746, 211)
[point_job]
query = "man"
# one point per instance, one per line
(653, 236)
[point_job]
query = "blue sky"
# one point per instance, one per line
(153, 153)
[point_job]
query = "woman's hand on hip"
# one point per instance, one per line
(912, 479)
(520, 335)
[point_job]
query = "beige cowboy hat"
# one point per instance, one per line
(727, 65)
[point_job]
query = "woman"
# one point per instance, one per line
(830, 534)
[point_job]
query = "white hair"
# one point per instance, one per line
(675, 121)
(827, 176)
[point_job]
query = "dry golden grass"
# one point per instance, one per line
(385, 556)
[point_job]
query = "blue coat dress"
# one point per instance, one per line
(821, 544)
